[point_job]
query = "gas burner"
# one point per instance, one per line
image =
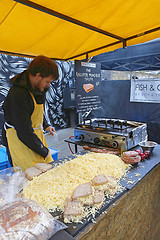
(111, 132)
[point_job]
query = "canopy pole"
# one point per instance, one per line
(87, 56)
(124, 43)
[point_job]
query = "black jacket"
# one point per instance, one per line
(18, 108)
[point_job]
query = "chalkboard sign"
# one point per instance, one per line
(88, 86)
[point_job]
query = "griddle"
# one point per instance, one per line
(111, 132)
(142, 168)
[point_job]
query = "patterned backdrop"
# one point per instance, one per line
(54, 112)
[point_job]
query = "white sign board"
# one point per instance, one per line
(145, 90)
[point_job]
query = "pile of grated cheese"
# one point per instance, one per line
(52, 188)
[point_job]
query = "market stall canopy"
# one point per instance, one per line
(144, 56)
(75, 29)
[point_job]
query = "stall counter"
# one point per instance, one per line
(134, 216)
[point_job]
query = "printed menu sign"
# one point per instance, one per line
(88, 86)
(145, 90)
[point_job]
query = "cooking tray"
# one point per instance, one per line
(134, 175)
(75, 228)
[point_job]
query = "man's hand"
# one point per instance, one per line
(51, 130)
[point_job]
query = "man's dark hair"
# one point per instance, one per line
(43, 65)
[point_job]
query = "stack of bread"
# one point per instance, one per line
(24, 219)
(38, 169)
(21, 218)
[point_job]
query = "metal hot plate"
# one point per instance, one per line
(106, 125)
(120, 131)
(111, 132)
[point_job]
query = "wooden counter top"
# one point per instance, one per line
(134, 216)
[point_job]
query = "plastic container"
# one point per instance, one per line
(54, 153)
(4, 163)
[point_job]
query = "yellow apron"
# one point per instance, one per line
(23, 156)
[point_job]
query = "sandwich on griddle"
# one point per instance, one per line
(98, 197)
(83, 193)
(104, 183)
(99, 180)
(73, 210)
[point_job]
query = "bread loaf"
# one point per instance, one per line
(24, 219)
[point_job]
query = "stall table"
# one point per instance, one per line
(132, 214)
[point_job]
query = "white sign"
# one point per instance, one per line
(86, 64)
(145, 90)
